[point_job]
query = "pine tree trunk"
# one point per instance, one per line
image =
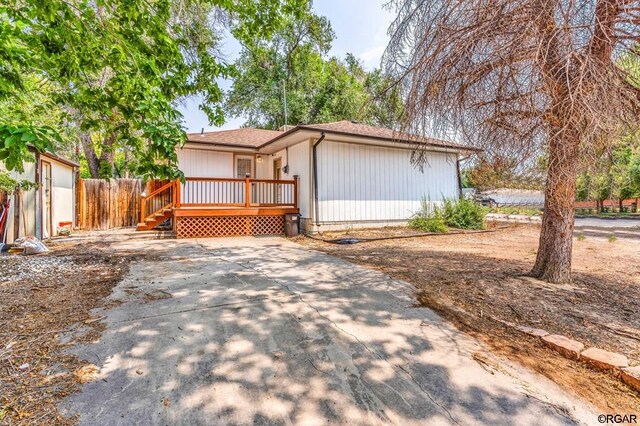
(553, 261)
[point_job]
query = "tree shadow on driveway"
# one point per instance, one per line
(260, 331)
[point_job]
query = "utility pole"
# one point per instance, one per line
(284, 96)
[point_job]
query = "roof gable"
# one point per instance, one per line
(243, 137)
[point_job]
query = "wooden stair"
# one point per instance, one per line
(158, 206)
(155, 219)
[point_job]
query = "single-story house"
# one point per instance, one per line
(40, 211)
(335, 175)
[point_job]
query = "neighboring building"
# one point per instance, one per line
(42, 209)
(469, 193)
(348, 175)
(506, 197)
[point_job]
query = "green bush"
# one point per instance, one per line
(429, 219)
(463, 214)
(429, 224)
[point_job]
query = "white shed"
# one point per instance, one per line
(42, 210)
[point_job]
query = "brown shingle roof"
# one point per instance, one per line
(244, 138)
(352, 128)
(257, 138)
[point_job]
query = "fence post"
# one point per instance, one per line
(247, 191)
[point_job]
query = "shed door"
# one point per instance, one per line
(47, 228)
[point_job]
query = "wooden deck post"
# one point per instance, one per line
(247, 191)
(295, 191)
(177, 195)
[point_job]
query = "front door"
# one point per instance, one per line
(47, 228)
(277, 175)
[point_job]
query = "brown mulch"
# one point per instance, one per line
(475, 279)
(45, 303)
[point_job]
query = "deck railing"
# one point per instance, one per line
(221, 192)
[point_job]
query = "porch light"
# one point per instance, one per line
(259, 158)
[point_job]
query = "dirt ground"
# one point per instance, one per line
(476, 279)
(45, 303)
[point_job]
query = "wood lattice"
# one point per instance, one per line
(228, 226)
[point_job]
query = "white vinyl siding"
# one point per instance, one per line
(373, 183)
(203, 163)
(299, 164)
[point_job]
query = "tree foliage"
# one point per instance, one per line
(117, 67)
(613, 175)
(493, 172)
(522, 77)
(318, 89)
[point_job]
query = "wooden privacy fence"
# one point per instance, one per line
(108, 203)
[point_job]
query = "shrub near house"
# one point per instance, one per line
(460, 214)
(464, 214)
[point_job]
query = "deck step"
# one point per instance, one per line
(154, 220)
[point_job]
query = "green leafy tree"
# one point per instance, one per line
(318, 89)
(117, 68)
(614, 175)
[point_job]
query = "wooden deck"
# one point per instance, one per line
(240, 211)
(210, 207)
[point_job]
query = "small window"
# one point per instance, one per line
(243, 167)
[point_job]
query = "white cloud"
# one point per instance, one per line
(372, 56)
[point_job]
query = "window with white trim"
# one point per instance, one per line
(244, 167)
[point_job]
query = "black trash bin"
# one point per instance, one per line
(291, 224)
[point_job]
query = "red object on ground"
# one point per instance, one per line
(4, 213)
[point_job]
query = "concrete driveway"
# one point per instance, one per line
(263, 331)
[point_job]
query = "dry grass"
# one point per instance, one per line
(474, 279)
(44, 298)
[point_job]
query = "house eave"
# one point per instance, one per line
(219, 147)
(303, 132)
(301, 136)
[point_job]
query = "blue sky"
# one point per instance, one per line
(360, 27)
